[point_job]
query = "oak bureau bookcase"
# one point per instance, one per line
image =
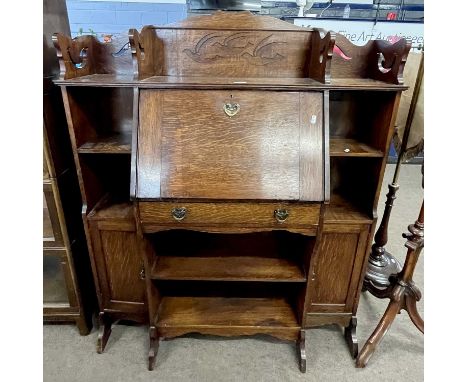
(230, 177)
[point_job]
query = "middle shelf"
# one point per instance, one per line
(117, 143)
(274, 256)
(235, 268)
(348, 147)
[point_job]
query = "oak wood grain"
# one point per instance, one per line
(341, 210)
(229, 213)
(113, 144)
(123, 266)
(320, 319)
(334, 268)
(227, 316)
(211, 156)
(342, 147)
(149, 150)
(231, 268)
(241, 82)
(311, 171)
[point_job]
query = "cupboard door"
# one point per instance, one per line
(122, 286)
(337, 268)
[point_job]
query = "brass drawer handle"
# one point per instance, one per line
(281, 215)
(179, 213)
(231, 109)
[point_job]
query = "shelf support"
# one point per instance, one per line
(105, 329)
(351, 338)
(301, 351)
(153, 347)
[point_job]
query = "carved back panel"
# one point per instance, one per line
(224, 45)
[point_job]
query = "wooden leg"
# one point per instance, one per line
(301, 351)
(410, 305)
(351, 338)
(379, 332)
(153, 348)
(83, 326)
(105, 329)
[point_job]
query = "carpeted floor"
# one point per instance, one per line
(71, 357)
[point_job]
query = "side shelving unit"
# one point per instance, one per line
(100, 119)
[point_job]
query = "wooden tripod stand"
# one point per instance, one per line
(402, 292)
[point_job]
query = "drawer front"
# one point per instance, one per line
(230, 145)
(275, 215)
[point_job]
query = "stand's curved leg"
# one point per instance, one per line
(413, 314)
(153, 348)
(301, 351)
(351, 338)
(377, 292)
(105, 329)
(379, 332)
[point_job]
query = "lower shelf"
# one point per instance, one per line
(227, 316)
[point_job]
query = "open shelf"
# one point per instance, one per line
(341, 210)
(112, 144)
(112, 210)
(274, 256)
(238, 268)
(198, 313)
(348, 147)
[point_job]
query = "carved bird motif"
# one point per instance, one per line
(202, 53)
(214, 46)
(233, 45)
(264, 53)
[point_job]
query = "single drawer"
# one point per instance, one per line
(245, 215)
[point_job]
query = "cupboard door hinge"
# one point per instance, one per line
(142, 272)
(312, 278)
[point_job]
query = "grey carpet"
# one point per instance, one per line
(71, 357)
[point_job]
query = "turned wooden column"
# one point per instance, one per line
(402, 292)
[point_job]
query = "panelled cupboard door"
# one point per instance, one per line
(119, 267)
(337, 267)
(221, 144)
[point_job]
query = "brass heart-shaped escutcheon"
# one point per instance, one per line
(179, 213)
(281, 215)
(231, 109)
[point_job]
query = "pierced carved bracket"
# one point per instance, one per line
(147, 52)
(321, 52)
(80, 56)
(387, 61)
